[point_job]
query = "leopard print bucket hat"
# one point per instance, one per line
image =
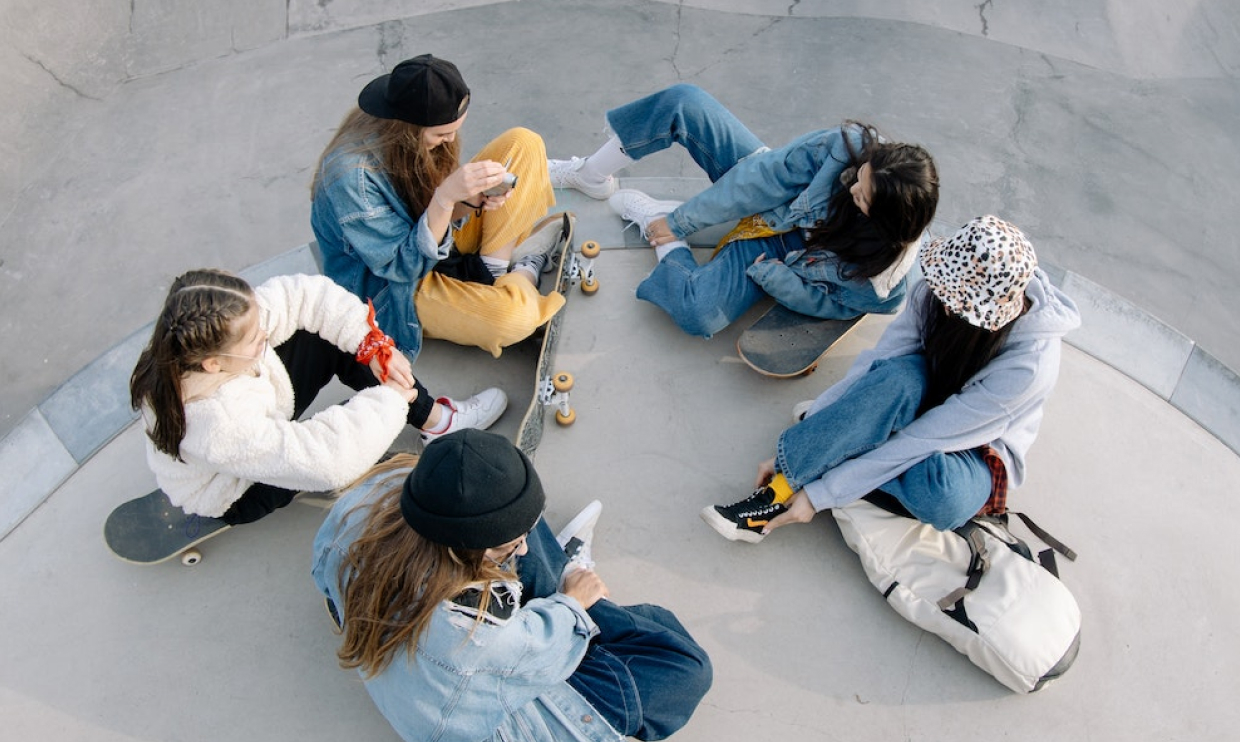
(980, 273)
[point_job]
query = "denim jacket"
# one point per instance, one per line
(370, 243)
(809, 282)
(789, 187)
(498, 679)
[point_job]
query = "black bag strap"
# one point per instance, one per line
(888, 502)
(1050, 540)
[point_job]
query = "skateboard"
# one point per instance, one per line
(784, 344)
(551, 389)
(150, 530)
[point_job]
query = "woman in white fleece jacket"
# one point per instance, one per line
(941, 412)
(230, 369)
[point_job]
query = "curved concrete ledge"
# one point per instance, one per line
(92, 408)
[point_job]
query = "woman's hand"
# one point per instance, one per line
(766, 471)
(399, 369)
(467, 182)
(585, 586)
(658, 233)
(408, 392)
(494, 203)
(800, 510)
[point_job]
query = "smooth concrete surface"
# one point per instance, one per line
(146, 138)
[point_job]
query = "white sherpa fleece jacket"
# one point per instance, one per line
(242, 432)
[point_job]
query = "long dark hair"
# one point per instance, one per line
(414, 171)
(954, 350)
(906, 194)
(197, 321)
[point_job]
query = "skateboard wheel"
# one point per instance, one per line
(590, 249)
(566, 418)
(589, 286)
(562, 381)
(191, 557)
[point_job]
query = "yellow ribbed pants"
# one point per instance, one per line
(494, 317)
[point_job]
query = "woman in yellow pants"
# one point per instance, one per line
(390, 200)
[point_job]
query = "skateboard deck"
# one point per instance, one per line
(150, 530)
(784, 344)
(551, 389)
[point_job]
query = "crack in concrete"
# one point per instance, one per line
(680, 8)
(59, 81)
(793, 7)
(981, 12)
(391, 38)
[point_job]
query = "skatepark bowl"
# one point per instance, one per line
(147, 137)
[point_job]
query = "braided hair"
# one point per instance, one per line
(197, 321)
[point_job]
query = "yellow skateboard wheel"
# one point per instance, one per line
(590, 249)
(191, 557)
(589, 286)
(566, 419)
(562, 381)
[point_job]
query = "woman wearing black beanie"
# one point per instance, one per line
(467, 620)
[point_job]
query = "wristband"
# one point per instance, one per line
(375, 345)
(446, 205)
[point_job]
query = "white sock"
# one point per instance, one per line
(527, 269)
(445, 420)
(662, 250)
(608, 159)
(496, 266)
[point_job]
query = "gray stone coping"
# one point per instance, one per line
(90, 409)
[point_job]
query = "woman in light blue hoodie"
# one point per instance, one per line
(941, 412)
(829, 223)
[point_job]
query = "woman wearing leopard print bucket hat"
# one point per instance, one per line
(941, 412)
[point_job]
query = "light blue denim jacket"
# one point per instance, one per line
(504, 681)
(370, 243)
(789, 187)
(809, 282)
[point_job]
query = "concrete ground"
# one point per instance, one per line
(145, 138)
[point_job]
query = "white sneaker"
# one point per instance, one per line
(800, 409)
(548, 234)
(479, 411)
(576, 537)
(566, 174)
(637, 207)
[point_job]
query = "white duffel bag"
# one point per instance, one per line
(978, 587)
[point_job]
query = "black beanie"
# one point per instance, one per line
(425, 91)
(474, 490)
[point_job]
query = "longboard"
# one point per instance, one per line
(784, 344)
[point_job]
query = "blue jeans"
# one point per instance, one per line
(643, 672)
(944, 490)
(704, 299)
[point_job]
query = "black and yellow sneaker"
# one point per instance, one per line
(744, 520)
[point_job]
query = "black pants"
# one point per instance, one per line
(312, 363)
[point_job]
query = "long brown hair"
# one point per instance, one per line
(394, 579)
(906, 195)
(197, 321)
(414, 171)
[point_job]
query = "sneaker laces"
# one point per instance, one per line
(759, 504)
